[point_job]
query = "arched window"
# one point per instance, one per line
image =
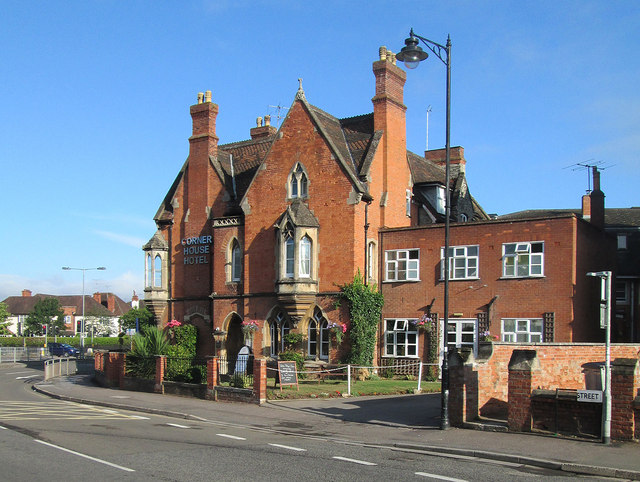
(298, 182)
(318, 336)
(289, 253)
(157, 272)
(305, 257)
(148, 272)
(279, 327)
(236, 261)
(312, 337)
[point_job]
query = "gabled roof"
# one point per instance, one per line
(23, 305)
(352, 140)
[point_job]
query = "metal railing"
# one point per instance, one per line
(13, 354)
(236, 371)
(58, 367)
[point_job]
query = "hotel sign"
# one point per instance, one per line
(196, 249)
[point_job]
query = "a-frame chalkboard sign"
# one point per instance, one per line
(287, 374)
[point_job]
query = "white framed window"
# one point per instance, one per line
(462, 332)
(318, 336)
(289, 253)
(622, 292)
(522, 330)
(236, 261)
(157, 272)
(463, 262)
(400, 338)
(523, 260)
(622, 241)
(279, 326)
(372, 265)
(285, 328)
(298, 182)
(305, 257)
(402, 265)
(148, 272)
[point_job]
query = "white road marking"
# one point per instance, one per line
(120, 396)
(298, 449)
(126, 469)
(28, 376)
(230, 436)
(106, 410)
(439, 477)
(178, 425)
(3, 428)
(355, 461)
(139, 417)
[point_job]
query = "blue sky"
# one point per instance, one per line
(95, 100)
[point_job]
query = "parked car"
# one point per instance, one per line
(62, 349)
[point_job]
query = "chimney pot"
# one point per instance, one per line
(259, 122)
(200, 97)
(207, 96)
(267, 120)
(382, 51)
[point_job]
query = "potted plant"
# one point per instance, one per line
(423, 324)
(249, 327)
(337, 330)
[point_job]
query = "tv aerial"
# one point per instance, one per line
(590, 166)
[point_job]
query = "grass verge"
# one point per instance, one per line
(336, 388)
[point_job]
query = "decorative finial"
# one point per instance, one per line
(300, 93)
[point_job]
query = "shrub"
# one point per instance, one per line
(293, 356)
(237, 381)
(365, 308)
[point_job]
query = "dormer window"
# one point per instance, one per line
(298, 182)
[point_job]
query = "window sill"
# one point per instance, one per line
(522, 277)
(477, 278)
(400, 356)
(402, 281)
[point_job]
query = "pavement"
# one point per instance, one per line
(406, 423)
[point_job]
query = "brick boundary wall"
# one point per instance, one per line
(480, 387)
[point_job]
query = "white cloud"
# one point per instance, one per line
(122, 238)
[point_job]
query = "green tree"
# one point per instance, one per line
(47, 312)
(4, 324)
(365, 309)
(98, 319)
(143, 315)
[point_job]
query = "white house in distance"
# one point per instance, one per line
(102, 311)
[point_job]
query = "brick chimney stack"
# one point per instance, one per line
(457, 161)
(593, 203)
(263, 130)
(202, 144)
(26, 293)
(389, 116)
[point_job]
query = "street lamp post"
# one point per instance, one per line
(412, 55)
(67, 268)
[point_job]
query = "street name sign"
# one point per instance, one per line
(590, 396)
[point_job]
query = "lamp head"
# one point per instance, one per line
(411, 54)
(101, 268)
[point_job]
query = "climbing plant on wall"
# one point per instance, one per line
(365, 308)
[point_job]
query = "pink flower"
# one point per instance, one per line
(173, 324)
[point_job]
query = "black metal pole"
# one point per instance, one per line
(444, 415)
